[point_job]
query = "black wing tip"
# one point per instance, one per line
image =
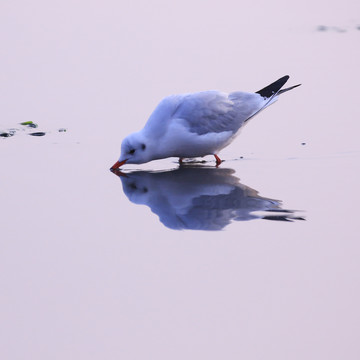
(274, 87)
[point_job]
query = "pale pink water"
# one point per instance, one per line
(87, 274)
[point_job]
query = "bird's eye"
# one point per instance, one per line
(131, 151)
(143, 146)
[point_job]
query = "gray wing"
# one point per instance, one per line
(213, 111)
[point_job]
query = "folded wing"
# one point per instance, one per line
(213, 111)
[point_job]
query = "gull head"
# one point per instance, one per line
(135, 149)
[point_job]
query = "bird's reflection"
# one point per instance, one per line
(199, 198)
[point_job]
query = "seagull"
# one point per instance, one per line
(196, 124)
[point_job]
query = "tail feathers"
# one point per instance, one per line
(271, 92)
(274, 88)
(287, 89)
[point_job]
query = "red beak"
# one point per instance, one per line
(118, 164)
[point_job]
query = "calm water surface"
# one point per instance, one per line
(256, 259)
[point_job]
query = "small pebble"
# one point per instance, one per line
(8, 134)
(40, 133)
(322, 28)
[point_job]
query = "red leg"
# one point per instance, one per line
(218, 160)
(180, 161)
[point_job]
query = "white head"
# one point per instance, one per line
(134, 150)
